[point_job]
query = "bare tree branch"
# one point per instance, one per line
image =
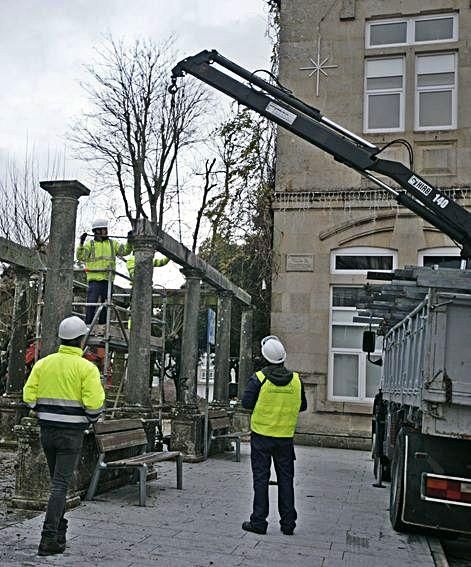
(24, 207)
(137, 127)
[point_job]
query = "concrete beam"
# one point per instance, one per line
(21, 256)
(180, 254)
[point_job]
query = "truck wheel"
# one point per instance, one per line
(396, 499)
(381, 465)
(386, 465)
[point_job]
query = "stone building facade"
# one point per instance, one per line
(386, 71)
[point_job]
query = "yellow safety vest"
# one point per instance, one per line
(65, 389)
(131, 264)
(277, 408)
(101, 255)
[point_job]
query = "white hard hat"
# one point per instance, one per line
(72, 327)
(273, 350)
(99, 223)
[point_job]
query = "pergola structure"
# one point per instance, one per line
(58, 265)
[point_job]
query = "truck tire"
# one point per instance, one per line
(396, 499)
(381, 465)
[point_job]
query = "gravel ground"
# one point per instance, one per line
(9, 516)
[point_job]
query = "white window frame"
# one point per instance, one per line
(381, 22)
(361, 356)
(410, 34)
(438, 251)
(376, 92)
(361, 251)
(436, 17)
(454, 95)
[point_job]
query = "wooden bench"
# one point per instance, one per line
(113, 435)
(218, 428)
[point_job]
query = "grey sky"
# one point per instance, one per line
(44, 44)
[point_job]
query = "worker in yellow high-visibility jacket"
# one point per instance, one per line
(276, 396)
(99, 254)
(131, 265)
(65, 392)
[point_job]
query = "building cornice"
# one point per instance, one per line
(354, 198)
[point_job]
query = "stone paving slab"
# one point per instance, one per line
(343, 521)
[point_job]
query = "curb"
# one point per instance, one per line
(438, 555)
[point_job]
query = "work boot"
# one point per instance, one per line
(50, 546)
(249, 527)
(288, 531)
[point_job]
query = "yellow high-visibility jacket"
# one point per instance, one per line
(131, 264)
(277, 408)
(65, 390)
(101, 255)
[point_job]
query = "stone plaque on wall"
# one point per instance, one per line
(299, 262)
(437, 158)
(347, 10)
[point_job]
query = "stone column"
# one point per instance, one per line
(189, 354)
(188, 425)
(60, 258)
(18, 341)
(11, 409)
(222, 375)
(245, 350)
(137, 385)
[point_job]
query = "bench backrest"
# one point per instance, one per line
(119, 434)
(222, 422)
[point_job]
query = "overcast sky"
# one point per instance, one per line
(44, 45)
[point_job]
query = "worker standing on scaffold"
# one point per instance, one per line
(131, 264)
(100, 254)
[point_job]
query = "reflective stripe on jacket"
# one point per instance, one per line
(131, 264)
(101, 255)
(277, 408)
(65, 390)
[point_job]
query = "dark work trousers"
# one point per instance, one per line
(281, 450)
(62, 448)
(97, 293)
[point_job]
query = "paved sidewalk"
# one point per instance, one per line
(343, 521)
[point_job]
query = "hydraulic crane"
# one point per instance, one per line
(279, 105)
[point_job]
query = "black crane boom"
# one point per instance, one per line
(279, 105)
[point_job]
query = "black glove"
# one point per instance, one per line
(130, 234)
(83, 237)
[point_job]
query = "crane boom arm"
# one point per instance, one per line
(282, 107)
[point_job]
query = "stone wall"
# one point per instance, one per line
(321, 205)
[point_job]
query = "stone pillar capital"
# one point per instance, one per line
(65, 189)
(144, 235)
(191, 273)
(225, 294)
(21, 272)
(143, 243)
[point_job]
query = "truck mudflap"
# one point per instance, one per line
(446, 460)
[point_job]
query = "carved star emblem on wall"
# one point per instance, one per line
(318, 66)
